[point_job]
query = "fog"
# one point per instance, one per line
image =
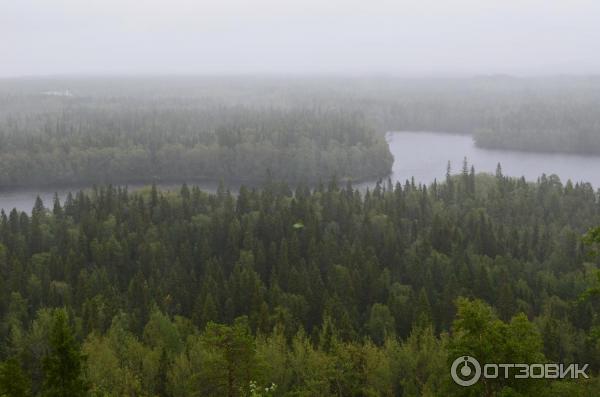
(267, 36)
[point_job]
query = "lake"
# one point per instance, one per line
(425, 156)
(422, 155)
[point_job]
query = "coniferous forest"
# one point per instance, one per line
(75, 132)
(300, 291)
(124, 142)
(233, 198)
(297, 283)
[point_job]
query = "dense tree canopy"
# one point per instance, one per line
(312, 290)
(501, 112)
(127, 140)
(324, 291)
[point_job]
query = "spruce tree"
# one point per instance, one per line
(13, 380)
(63, 365)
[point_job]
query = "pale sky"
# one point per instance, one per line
(397, 37)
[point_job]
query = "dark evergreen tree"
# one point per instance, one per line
(64, 364)
(14, 382)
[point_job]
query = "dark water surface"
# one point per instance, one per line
(422, 155)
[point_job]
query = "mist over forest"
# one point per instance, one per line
(77, 131)
(295, 283)
(299, 198)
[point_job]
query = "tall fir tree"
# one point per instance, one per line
(63, 365)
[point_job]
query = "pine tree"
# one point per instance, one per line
(465, 174)
(209, 310)
(505, 302)
(231, 363)
(13, 381)
(422, 313)
(57, 209)
(449, 194)
(38, 207)
(63, 365)
(163, 368)
(472, 181)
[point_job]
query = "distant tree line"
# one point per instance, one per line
(116, 130)
(122, 140)
(539, 115)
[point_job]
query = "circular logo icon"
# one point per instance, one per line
(465, 371)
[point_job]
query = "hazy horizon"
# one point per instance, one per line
(266, 37)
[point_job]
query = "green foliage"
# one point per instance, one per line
(381, 323)
(13, 380)
(420, 363)
(128, 140)
(477, 332)
(592, 238)
(64, 363)
(229, 362)
(188, 293)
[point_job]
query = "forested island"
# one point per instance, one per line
(300, 291)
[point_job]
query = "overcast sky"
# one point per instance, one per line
(399, 37)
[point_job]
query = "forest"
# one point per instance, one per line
(298, 290)
(81, 131)
(299, 198)
(500, 112)
(128, 141)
